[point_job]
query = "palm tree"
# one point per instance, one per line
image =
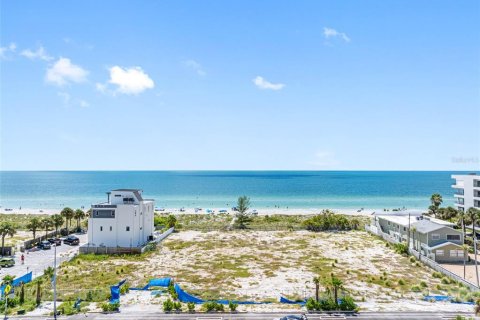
(461, 219)
(33, 225)
(47, 225)
(78, 215)
(473, 214)
(6, 229)
(67, 213)
(436, 200)
(465, 255)
(316, 281)
(57, 222)
(336, 284)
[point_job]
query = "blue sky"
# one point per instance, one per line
(309, 85)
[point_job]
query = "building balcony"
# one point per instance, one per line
(457, 186)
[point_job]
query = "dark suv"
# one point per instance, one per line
(44, 245)
(55, 241)
(71, 240)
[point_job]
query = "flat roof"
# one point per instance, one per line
(401, 220)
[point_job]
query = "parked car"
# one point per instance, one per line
(44, 245)
(7, 262)
(55, 241)
(71, 240)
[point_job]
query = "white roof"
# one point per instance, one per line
(412, 212)
(442, 222)
(401, 220)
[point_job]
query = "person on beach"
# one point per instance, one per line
(22, 258)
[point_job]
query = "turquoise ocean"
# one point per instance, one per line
(217, 189)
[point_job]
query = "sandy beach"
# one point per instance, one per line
(264, 211)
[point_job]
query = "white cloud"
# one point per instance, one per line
(84, 104)
(101, 87)
(325, 159)
(64, 71)
(262, 83)
(332, 33)
(194, 65)
(65, 97)
(7, 49)
(129, 80)
(40, 53)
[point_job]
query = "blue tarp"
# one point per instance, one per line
(161, 282)
(437, 298)
(285, 300)
(186, 297)
(115, 292)
(26, 278)
(445, 298)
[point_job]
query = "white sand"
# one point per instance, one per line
(264, 211)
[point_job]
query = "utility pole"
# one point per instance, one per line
(475, 248)
(55, 282)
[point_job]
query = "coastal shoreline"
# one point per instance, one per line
(260, 211)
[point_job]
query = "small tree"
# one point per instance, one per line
(47, 225)
(242, 217)
(38, 299)
(57, 222)
(67, 213)
(6, 229)
(22, 294)
(435, 200)
(33, 225)
(79, 215)
(316, 281)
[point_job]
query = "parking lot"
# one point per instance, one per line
(37, 261)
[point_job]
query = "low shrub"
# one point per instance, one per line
(401, 248)
(347, 304)
(232, 306)
(423, 284)
(437, 275)
(445, 280)
(168, 305)
(401, 282)
(212, 306)
(110, 307)
(177, 306)
(416, 288)
(191, 307)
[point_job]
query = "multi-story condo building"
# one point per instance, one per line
(467, 191)
(124, 221)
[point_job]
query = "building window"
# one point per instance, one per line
(128, 228)
(453, 237)
(101, 228)
(111, 228)
(113, 213)
(440, 253)
(456, 253)
(435, 236)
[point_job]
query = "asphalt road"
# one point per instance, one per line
(259, 316)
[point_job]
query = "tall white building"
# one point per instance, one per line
(467, 191)
(125, 220)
